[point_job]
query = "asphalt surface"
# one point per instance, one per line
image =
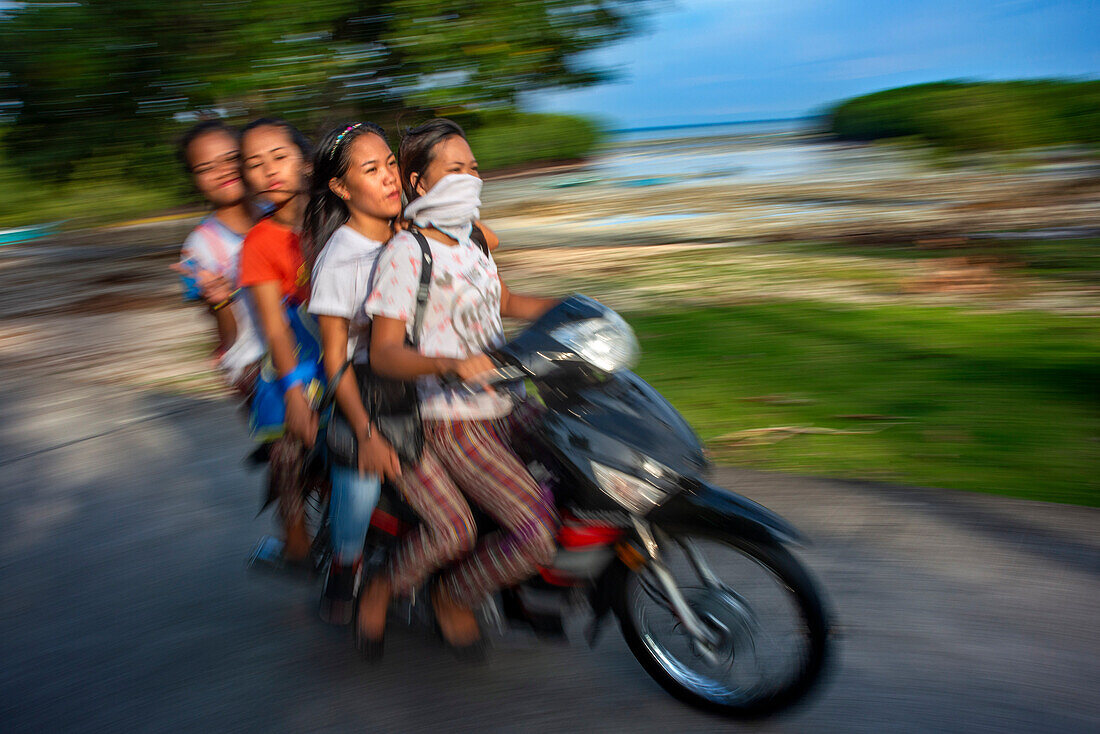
(127, 517)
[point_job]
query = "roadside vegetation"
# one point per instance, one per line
(94, 195)
(510, 139)
(105, 190)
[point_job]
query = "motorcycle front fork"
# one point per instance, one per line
(657, 576)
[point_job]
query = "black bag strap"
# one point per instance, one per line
(477, 236)
(425, 285)
(329, 394)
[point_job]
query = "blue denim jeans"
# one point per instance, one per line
(350, 507)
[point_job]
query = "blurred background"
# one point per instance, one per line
(857, 241)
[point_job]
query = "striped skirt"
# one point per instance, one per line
(471, 460)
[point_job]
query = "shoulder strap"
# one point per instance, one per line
(329, 395)
(425, 284)
(478, 238)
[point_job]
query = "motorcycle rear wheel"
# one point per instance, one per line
(316, 506)
(749, 671)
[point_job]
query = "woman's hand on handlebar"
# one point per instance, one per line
(377, 457)
(477, 369)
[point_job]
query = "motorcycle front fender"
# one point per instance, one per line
(709, 509)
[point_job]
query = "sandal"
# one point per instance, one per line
(470, 652)
(370, 647)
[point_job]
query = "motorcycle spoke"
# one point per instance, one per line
(699, 563)
(655, 592)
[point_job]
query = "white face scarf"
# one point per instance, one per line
(451, 206)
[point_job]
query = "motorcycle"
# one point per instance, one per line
(709, 599)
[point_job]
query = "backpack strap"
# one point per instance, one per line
(477, 236)
(425, 285)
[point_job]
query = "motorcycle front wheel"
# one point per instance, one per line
(765, 623)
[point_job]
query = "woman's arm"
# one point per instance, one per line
(227, 326)
(492, 242)
(376, 456)
(301, 421)
(528, 308)
(391, 357)
(214, 291)
(334, 345)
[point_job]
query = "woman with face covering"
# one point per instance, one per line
(465, 455)
(355, 198)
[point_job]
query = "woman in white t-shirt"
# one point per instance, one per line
(356, 196)
(465, 454)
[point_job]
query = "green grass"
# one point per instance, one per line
(1063, 259)
(81, 202)
(1002, 403)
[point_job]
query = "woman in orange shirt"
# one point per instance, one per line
(276, 159)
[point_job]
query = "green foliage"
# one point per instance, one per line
(94, 194)
(976, 116)
(508, 139)
(454, 53)
(99, 192)
(1003, 403)
(116, 79)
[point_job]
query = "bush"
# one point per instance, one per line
(504, 139)
(976, 116)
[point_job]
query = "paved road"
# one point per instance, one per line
(126, 607)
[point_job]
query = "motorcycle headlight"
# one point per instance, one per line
(636, 495)
(607, 342)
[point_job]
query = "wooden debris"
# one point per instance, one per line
(778, 400)
(775, 434)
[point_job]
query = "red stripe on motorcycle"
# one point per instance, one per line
(386, 522)
(580, 536)
(551, 576)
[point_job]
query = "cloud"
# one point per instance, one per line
(707, 58)
(869, 67)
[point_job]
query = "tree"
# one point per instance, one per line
(113, 79)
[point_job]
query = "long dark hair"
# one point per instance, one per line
(418, 150)
(327, 212)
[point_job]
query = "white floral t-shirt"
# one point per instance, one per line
(462, 316)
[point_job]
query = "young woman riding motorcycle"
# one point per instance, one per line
(465, 456)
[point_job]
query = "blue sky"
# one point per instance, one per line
(717, 60)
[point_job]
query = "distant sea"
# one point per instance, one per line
(715, 129)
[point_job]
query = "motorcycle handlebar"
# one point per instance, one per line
(502, 374)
